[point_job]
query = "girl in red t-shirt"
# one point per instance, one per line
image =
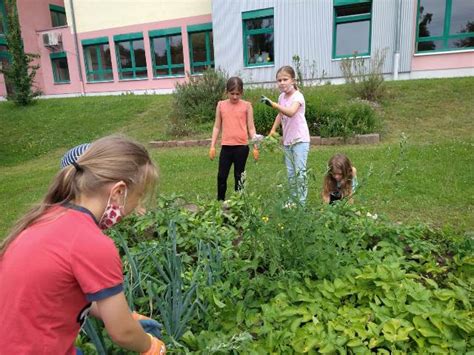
(234, 117)
(57, 266)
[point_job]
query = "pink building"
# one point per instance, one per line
(142, 46)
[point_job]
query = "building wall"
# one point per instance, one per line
(34, 17)
(305, 28)
(94, 15)
(149, 84)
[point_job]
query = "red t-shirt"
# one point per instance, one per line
(234, 122)
(49, 276)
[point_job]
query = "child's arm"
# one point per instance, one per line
(250, 122)
(276, 124)
(287, 111)
(215, 133)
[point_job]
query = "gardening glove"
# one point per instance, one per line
(149, 325)
(212, 153)
(266, 101)
(157, 347)
(255, 153)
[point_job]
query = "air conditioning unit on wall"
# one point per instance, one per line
(52, 39)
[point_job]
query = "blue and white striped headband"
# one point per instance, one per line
(71, 156)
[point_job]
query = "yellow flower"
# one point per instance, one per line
(265, 219)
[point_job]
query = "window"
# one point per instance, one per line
(201, 46)
(131, 60)
(445, 25)
(258, 37)
(3, 19)
(167, 52)
(352, 28)
(97, 59)
(4, 56)
(60, 67)
(58, 16)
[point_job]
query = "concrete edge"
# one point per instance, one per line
(372, 138)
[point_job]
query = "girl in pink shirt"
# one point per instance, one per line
(234, 117)
(291, 106)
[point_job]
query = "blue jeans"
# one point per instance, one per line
(296, 156)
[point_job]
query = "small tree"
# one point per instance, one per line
(19, 74)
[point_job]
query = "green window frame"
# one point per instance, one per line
(98, 68)
(59, 60)
(3, 19)
(136, 66)
(351, 13)
(258, 37)
(205, 30)
(58, 15)
(172, 65)
(447, 39)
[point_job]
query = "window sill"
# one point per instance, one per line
(351, 57)
(421, 54)
(133, 79)
(272, 65)
(99, 81)
(61, 82)
(169, 77)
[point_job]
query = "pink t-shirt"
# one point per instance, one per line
(295, 129)
(234, 122)
(49, 276)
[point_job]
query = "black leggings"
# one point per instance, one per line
(236, 154)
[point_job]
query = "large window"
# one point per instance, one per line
(352, 28)
(445, 25)
(58, 16)
(167, 52)
(97, 59)
(258, 37)
(201, 47)
(60, 67)
(131, 60)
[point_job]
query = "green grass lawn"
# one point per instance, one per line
(425, 178)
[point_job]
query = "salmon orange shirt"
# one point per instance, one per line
(234, 122)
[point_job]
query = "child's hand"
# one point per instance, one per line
(255, 153)
(266, 101)
(212, 153)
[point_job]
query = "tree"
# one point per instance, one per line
(19, 73)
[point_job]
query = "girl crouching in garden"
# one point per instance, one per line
(340, 180)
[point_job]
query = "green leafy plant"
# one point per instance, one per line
(195, 99)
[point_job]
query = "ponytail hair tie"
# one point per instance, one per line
(77, 166)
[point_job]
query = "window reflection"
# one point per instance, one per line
(260, 48)
(352, 37)
(431, 18)
(462, 16)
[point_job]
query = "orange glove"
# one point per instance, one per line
(255, 153)
(212, 153)
(157, 347)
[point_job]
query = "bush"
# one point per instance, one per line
(328, 113)
(195, 100)
(364, 76)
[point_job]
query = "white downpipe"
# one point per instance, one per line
(396, 52)
(396, 65)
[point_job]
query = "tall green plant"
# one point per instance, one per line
(20, 73)
(364, 76)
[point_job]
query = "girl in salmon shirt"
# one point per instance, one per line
(234, 117)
